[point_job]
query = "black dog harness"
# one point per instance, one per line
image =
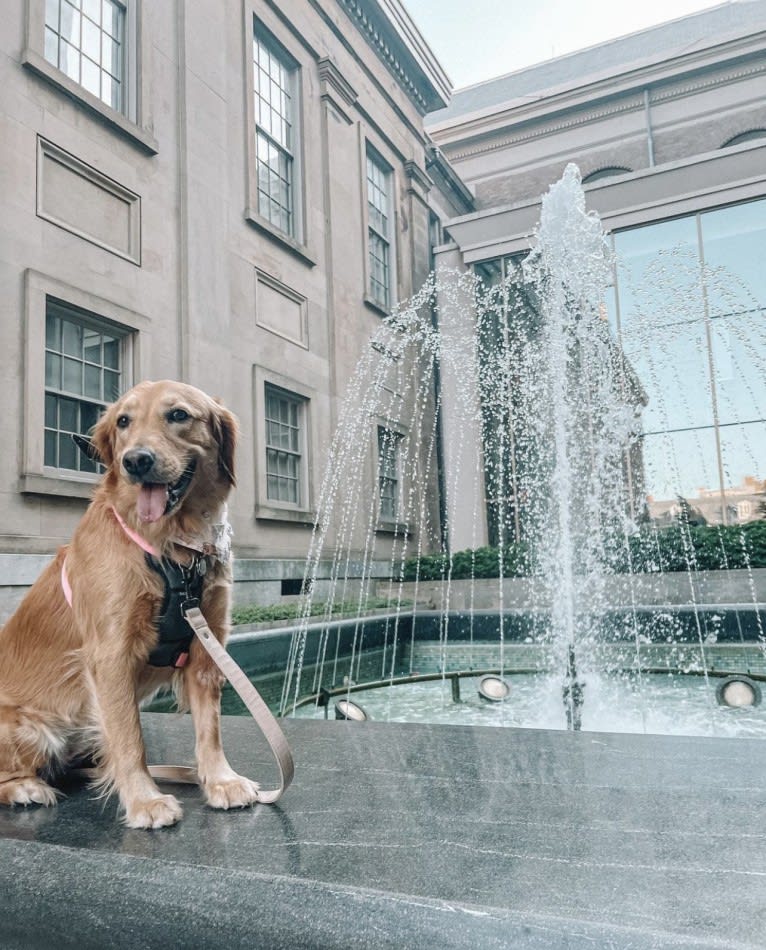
(183, 590)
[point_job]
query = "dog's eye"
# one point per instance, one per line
(123, 422)
(178, 415)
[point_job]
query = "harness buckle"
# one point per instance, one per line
(188, 604)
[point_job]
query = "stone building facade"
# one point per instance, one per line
(228, 192)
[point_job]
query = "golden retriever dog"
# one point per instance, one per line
(80, 653)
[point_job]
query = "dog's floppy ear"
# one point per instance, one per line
(101, 439)
(87, 448)
(225, 431)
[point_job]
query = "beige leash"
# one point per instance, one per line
(258, 709)
(252, 699)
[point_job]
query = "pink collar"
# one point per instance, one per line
(134, 535)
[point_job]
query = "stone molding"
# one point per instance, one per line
(627, 103)
(424, 98)
(335, 89)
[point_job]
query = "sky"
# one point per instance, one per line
(476, 40)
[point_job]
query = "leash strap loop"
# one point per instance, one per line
(264, 718)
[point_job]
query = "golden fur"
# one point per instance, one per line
(72, 678)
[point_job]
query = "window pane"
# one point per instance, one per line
(51, 441)
(72, 339)
(67, 451)
(734, 241)
(111, 352)
(91, 76)
(681, 464)
(70, 23)
(51, 411)
(52, 332)
(744, 463)
(674, 372)
(92, 346)
(89, 414)
(51, 47)
(110, 91)
(53, 371)
(739, 358)
(658, 275)
(68, 415)
(111, 18)
(72, 376)
(92, 381)
(111, 385)
(52, 14)
(91, 40)
(92, 9)
(88, 46)
(69, 61)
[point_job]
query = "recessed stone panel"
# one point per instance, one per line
(87, 203)
(280, 309)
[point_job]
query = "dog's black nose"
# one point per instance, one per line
(138, 462)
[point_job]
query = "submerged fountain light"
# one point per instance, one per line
(493, 688)
(346, 709)
(737, 691)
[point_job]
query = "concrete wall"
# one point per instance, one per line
(620, 590)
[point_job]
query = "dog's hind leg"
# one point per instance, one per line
(27, 744)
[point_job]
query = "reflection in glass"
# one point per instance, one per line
(690, 311)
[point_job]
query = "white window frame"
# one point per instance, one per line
(296, 240)
(372, 228)
(134, 331)
(88, 406)
(268, 508)
(295, 454)
(277, 99)
(131, 119)
(396, 437)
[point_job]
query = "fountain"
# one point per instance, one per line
(445, 835)
(519, 365)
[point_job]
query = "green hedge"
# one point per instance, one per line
(253, 613)
(704, 548)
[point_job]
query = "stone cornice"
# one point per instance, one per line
(395, 39)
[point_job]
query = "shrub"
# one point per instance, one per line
(255, 613)
(675, 548)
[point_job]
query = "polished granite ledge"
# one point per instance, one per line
(411, 836)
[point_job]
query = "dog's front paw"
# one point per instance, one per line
(27, 791)
(156, 812)
(234, 791)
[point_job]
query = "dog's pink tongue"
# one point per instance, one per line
(152, 500)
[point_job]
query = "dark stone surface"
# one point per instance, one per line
(411, 836)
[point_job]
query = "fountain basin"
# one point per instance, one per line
(440, 836)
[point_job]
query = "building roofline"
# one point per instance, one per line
(595, 71)
(393, 35)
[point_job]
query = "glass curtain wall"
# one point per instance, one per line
(688, 311)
